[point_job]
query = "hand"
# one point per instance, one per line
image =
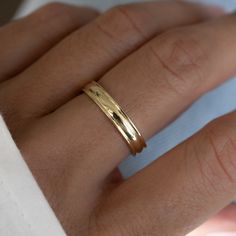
(72, 148)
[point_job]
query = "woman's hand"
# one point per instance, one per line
(72, 148)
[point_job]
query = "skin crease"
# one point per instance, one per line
(154, 70)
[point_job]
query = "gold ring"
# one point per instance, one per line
(118, 117)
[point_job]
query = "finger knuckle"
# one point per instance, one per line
(52, 8)
(52, 11)
(222, 145)
(181, 57)
(118, 21)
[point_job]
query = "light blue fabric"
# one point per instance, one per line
(29, 5)
(216, 103)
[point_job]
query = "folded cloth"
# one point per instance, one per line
(24, 211)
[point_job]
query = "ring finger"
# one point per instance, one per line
(153, 85)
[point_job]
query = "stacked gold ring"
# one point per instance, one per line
(118, 117)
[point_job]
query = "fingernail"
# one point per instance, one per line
(215, 10)
(222, 234)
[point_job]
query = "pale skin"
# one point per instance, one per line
(154, 66)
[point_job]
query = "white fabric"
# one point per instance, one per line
(23, 208)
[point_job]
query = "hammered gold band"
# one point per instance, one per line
(118, 117)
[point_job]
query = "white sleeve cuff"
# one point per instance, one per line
(24, 210)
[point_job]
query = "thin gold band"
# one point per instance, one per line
(118, 117)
